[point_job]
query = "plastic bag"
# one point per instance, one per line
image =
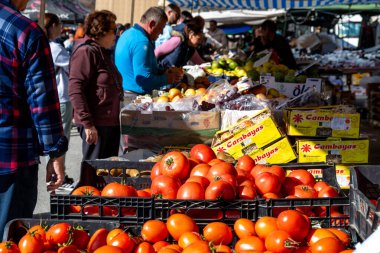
(245, 103)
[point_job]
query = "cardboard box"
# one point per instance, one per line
(247, 135)
(291, 90)
(333, 151)
(157, 129)
(321, 122)
(276, 153)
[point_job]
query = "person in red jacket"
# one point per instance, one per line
(95, 88)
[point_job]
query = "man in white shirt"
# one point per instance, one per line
(216, 36)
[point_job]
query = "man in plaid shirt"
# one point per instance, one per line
(30, 120)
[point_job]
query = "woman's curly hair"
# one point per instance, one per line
(98, 23)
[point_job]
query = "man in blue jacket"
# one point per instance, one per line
(135, 59)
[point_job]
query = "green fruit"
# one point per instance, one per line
(232, 65)
(279, 76)
(254, 75)
(289, 79)
(301, 79)
(215, 65)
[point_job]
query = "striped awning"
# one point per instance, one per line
(262, 4)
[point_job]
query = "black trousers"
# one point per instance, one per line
(107, 146)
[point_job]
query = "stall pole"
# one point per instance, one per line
(41, 20)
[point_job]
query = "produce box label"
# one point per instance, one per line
(333, 151)
(276, 153)
(290, 90)
(321, 123)
(343, 175)
(248, 135)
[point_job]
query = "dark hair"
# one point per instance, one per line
(186, 16)
(193, 26)
(119, 28)
(173, 7)
(269, 25)
(199, 21)
(98, 23)
(127, 26)
(50, 20)
(213, 21)
(156, 14)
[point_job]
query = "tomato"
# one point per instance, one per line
(220, 190)
(222, 249)
(198, 247)
(257, 170)
(265, 225)
(277, 170)
(167, 250)
(108, 249)
(31, 243)
(115, 189)
(9, 247)
(327, 245)
(229, 179)
(154, 231)
(342, 236)
(220, 169)
(279, 241)
(347, 251)
(303, 176)
(200, 170)
(214, 161)
(97, 240)
(68, 249)
(271, 195)
(243, 175)
(41, 231)
(320, 185)
(158, 245)
(177, 224)
(250, 243)
(144, 247)
(245, 163)
(175, 247)
(294, 223)
(246, 191)
(317, 234)
(289, 184)
(122, 240)
(59, 233)
(187, 238)
(202, 153)
(191, 190)
(165, 187)
(156, 170)
(175, 164)
(203, 181)
(143, 194)
(218, 233)
(85, 191)
(80, 238)
(328, 192)
(302, 249)
(244, 228)
(192, 163)
(305, 191)
(267, 182)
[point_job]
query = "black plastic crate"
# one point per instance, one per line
(269, 207)
(365, 199)
(97, 173)
(15, 229)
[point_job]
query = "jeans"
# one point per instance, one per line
(18, 195)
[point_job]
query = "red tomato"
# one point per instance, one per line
(165, 187)
(246, 191)
(227, 178)
(202, 153)
(222, 249)
(85, 191)
(328, 192)
(155, 172)
(158, 245)
(303, 176)
(279, 241)
(303, 249)
(187, 238)
(192, 163)
(267, 182)
(277, 170)
(271, 195)
(114, 232)
(122, 240)
(342, 236)
(317, 234)
(80, 238)
(31, 243)
(41, 231)
(220, 190)
(59, 233)
(294, 223)
(154, 231)
(242, 175)
(143, 194)
(218, 233)
(320, 185)
(177, 224)
(289, 184)
(305, 191)
(108, 249)
(244, 228)
(203, 181)
(200, 170)
(191, 190)
(214, 161)
(327, 245)
(115, 189)
(245, 163)
(220, 169)
(175, 164)
(97, 240)
(265, 225)
(68, 249)
(144, 247)
(250, 243)
(9, 247)
(257, 170)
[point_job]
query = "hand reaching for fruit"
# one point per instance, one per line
(174, 75)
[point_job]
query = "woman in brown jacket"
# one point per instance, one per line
(95, 88)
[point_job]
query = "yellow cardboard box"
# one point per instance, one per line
(333, 151)
(321, 122)
(275, 153)
(248, 135)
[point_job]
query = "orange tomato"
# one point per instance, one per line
(244, 228)
(154, 231)
(177, 224)
(250, 243)
(265, 225)
(218, 233)
(327, 245)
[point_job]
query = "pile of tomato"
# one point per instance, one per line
(290, 232)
